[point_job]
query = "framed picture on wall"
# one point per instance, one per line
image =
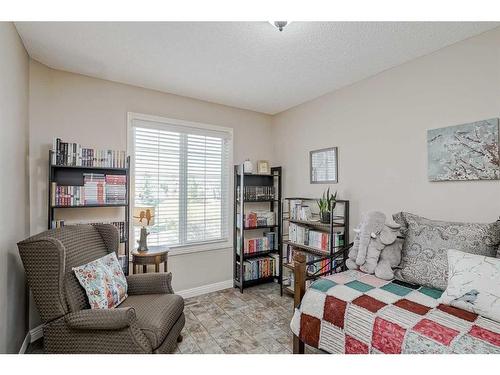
(263, 167)
(323, 166)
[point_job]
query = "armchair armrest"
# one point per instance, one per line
(150, 283)
(101, 320)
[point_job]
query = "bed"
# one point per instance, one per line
(355, 313)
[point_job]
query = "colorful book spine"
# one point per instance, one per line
(73, 154)
(257, 193)
(259, 268)
(97, 189)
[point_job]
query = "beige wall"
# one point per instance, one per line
(14, 186)
(379, 126)
(93, 112)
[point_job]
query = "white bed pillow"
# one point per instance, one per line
(473, 284)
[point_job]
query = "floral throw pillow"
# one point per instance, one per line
(103, 281)
(473, 284)
(424, 255)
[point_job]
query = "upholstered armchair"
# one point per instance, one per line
(150, 319)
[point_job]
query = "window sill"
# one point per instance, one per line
(189, 249)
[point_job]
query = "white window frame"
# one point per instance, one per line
(186, 248)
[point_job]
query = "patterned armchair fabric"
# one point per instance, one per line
(70, 326)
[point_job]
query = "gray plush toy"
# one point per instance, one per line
(377, 248)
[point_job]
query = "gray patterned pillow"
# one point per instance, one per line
(424, 256)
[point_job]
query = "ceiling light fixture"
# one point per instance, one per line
(280, 25)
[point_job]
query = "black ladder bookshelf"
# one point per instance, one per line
(338, 226)
(72, 175)
(265, 195)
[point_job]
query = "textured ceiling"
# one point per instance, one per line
(248, 65)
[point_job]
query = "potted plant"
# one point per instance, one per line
(326, 205)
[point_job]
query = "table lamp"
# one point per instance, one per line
(143, 217)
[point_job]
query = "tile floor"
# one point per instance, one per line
(257, 321)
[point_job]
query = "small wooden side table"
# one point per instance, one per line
(155, 255)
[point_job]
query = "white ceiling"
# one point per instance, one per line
(248, 65)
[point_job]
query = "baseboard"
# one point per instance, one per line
(198, 291)
(37, 332)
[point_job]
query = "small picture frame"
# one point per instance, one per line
(324, 166)
(263, 167)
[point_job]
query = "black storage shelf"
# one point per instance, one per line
(72, 175)
(248, 283)
(241, 205)
(338, 223)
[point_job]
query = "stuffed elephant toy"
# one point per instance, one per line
(377, 248)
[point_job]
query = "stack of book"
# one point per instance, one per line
(300, 210)
(257, 193)
(259, 268)
(73, 154)
(116, 189)
(94, 185)
(258, 219)
(319, 240)
(67, 195)
(97, 189)
(255, 245)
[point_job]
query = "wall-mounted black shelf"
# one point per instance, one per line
(72, 175)
(243, 205)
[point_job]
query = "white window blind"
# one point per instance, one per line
(183, 172)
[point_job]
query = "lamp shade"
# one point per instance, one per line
(143, 216)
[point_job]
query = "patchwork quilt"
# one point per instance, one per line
(355, 313)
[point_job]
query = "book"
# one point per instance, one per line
(319, 240)
(255, 219)
(97, 189)
(74, 154)
(258, 268)
(257, 193)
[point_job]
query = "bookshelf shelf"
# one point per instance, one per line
(258, 254)
(258, 200)
(124, 170)
(248, 283)
(73, 175)
(250, 189)
(318, 224)
(260, 227)
(311, 249)
(291, 267)
(336, 232)
(93, 206)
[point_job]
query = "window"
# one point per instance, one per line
(182, 169)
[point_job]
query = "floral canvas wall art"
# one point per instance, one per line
(464, 152)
